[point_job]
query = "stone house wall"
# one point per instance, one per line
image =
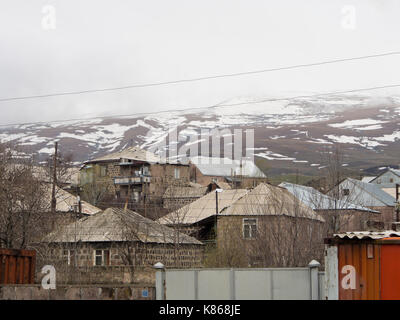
(388, 215)
(162, 176)
(183, 255)
(273, 232)
(76, 263)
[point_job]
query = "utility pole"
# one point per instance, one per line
(53, 191)
(144, 203)
(78, 191)
(127, 198)
(216, 211)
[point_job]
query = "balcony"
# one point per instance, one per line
(132, 180)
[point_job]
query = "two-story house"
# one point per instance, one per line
(133, 174)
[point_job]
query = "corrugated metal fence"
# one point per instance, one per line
(240, 284)
(17, 266)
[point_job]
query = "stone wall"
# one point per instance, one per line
(78, 292)
(101, 275)
(175, 203)
(163, 175)
(75, 264)
(388, 215)
(142, 254)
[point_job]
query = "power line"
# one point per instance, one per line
(205, 107)
(237, 74)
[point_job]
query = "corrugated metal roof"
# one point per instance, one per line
(115, 224)
(184, 192)
(375, 235)
(225, 167)
(223, 185)
(203, 208)
(391, 191)
(383, 182)
(395, 171)
(374, 191)
(319, 201)
(266, 199)
(368, 179)
(132, 153)
(262, 200)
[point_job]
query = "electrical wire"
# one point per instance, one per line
(389, 86)
(219, 76)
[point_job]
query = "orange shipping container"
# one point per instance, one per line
(17, 266)
(367, 265)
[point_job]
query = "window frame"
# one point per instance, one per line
(105, 258)
(103, 171)
(177, 173)
(252, 232)
(70, 254)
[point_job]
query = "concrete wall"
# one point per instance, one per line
(104, 292)
(241, 284)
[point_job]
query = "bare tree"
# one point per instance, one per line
(22, 204)
(271, 229)
(97, 194)
(343, 210)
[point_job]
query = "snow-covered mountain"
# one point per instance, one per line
(289, 134)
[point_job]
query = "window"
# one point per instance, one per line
(70, 255)
(391, 180)
(103, 171)
(249, 228)
(346, 192)
(101, 257)
(177, 173)
(145, 171)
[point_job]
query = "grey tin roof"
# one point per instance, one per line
(373, 190)
(319, 201)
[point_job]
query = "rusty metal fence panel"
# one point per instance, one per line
(17, 266)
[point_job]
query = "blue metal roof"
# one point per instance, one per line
(373, 190)
(319, 201)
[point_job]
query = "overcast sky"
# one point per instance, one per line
(96, 44)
